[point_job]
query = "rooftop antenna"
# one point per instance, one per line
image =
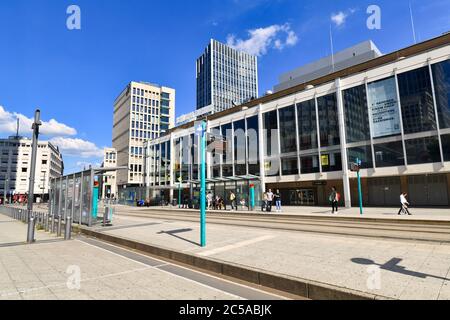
(332, 49)
(412, 22)
(17, 127)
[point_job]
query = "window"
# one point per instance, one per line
(44, 162)
(363, 153)
(253, 146)
(389, 154)
(446, 146)
(240, 155)
(307, 125)
(288, 130)
(24, 169)
(309, 164)
(271, 133)
(423, 150)
(416, 99)
(441, 77)
(328, 121)
(289, 166)
(331, 162)
(356, 114)
(227, 162)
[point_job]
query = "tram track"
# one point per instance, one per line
(414, 229)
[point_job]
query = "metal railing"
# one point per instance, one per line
(48, 221)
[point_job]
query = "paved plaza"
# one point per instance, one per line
(394, 269)
(48, 270)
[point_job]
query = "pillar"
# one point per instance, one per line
(341, 119)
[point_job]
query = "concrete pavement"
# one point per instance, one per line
(386, 268)
(84, 269)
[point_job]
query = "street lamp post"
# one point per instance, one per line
(4, 190)
(35, 127)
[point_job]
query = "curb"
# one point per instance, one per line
(304, 288)
(394, 220)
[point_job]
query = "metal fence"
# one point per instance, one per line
(46, 221)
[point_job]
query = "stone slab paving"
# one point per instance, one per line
(407, 269)
(39, 271)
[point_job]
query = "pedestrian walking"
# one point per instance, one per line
(277, 197)
(209, 198)
(270, 196)
(233, 200)
(404, 204)
(334, 199)
(264, 202)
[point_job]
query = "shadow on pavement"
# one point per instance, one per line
(174, 233)
(393, 266)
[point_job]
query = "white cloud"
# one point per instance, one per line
(52, 128)
(340, 18)
(262, 39)
(77, 148)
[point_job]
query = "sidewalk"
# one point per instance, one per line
(46, 271)
(403, 269)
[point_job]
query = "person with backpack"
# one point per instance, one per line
(334, 199)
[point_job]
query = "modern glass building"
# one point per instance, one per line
(225, 77)
(392, 112)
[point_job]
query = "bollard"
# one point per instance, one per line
(47, 221)
(31, 227)
(105, 216)
(68, 231)
(53, 226)
(58, 229)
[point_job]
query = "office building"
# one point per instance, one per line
(109, 182)
(142, 112)
(347, 58)
(391, 112)
(225, 77)
(15, 161)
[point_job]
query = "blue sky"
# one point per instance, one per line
(74, 76)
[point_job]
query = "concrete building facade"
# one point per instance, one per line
(15, 158)
(142, 112)
(391, 112)
(357, 54)
(109, 183)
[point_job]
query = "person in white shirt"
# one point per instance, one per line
(209, 197)
(404, 204)
(269, 200)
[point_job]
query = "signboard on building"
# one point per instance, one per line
(195, 115)
(383, 107)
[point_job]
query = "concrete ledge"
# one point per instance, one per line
(300, 287)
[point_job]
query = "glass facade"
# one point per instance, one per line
(292, 147)
(423, 150)
(328, 120)
(446, 146)
(307, 125)
(253, 146)
(225, 77)
(288, 130)
(416, 97)
(441, 78)
(389, 154)
(356, 114)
